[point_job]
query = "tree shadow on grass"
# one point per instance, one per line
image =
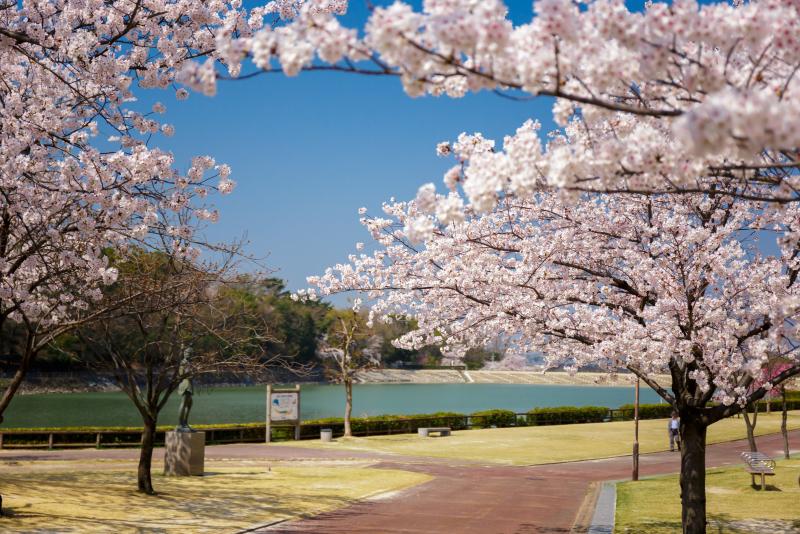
(16, 458)
(107, 501)
(717, 524)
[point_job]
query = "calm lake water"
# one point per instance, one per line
(247, 404)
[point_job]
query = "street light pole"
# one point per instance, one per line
(636, 433)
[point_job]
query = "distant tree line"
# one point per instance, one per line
(295, 331)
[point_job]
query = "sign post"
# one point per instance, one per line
(283, 407)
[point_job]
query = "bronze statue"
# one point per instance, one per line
(185, 390)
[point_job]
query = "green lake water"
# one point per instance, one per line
(247, 404)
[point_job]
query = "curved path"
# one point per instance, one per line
(463, 497)
(473, 498)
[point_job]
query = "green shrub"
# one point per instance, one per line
(496, 418)
(776, 404)
(648, 411)
(564, 415)
(285, 433)
(383, 424)
(159, 428)
(455, 420)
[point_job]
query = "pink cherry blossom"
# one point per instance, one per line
(717, 80)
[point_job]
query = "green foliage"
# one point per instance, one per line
(393, 356)
(776, 405)
(663, 411)
(159, 428)
(294, 326)
(476, 358)
(53, 358)
(648, 411)
(562, 415)
(384, 424)
(494, 418)
(126, 436)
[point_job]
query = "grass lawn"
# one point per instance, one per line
(653, 505)
(228, 499)
(547, 444)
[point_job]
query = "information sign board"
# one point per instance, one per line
(283, 406)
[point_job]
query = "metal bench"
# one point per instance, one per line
(427, 431)
(759, 463)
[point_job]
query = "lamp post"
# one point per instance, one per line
(636, 433)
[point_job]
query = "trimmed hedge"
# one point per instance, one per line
(120, 436)
(564, 415)
(384, 424)
(775, 405)
(648, 411)
(496, 418)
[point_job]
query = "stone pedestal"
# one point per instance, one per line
(185, 453)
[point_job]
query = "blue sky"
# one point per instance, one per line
(307, 152)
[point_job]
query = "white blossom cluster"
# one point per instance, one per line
(70, 69)
(717, 81)
(653, 284)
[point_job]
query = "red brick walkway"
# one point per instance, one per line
(490, 499)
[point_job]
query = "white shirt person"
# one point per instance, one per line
(673, 427)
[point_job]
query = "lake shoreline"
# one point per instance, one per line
(237, 405)
(89, 383)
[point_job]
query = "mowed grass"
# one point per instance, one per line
(226, 499)
(654, 506)
(547, 444)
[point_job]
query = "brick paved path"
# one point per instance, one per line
(475, 499)
(463, 497)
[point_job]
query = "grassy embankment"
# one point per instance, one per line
(653, 505)
(547, 444)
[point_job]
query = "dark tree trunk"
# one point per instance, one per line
(144, 481)
(750, 424)
(784, 431)
(16, 381)
(348, 407)
(693, 473)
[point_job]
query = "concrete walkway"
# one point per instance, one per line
(463, 497)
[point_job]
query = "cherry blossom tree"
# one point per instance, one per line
(719, 77)
(77, 173)
(677, 98)
(347, 348)
(784, 417)
(647, 284)
(771, 369)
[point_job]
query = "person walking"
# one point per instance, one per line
(674, 426)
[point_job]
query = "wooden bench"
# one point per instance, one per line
(427, 431)
(759, 463)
